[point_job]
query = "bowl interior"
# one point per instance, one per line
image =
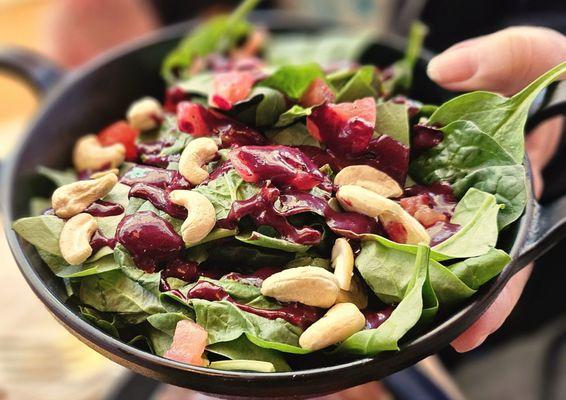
(91, 98)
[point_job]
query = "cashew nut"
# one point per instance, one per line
(100, 174)
(197, 153)
(338, 324)
(74, 241)
(201, 216)
(343, 262)
(72, 199)
(357, 294)
(364, 201)
(312, 286)
(89, 154)
(145, 114)
(369, 178)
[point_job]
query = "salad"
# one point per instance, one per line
(276, 206)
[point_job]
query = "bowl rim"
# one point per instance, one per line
(421, 346)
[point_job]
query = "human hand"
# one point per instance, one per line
(504, 62)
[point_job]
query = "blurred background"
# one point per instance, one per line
(40, 360)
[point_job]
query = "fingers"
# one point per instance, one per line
(503, 62)
(495, 315)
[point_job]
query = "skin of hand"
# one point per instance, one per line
(504, 62)
(78, 30)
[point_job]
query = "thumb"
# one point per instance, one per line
(504, 62)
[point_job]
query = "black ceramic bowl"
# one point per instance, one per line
(88, 99)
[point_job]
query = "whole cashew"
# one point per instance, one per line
(197, 153)
(100, 174)
(145, 114)
(74, 241)
(72, 199)
(312, 286)
(338, 324)
(343, 262)
(89, 154)
(364, 201)
(201, 216)
(369, 178)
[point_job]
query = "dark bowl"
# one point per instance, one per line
(86, 100)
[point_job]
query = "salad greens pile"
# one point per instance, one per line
(285, 125)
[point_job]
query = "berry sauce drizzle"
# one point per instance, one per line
(295, 313)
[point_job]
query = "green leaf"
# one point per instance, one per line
(201, 84)
(114, 292)
(476, 213)
(59, 178)
(215, 234)
(324, 48)
(262, 108)
(103, 322)
(217, 34)
(509, 185)
(37, 205)
(292, 115)
(500, 117)
(448, 288)
(226, 189)
(392, 119)
(100, 266)
(258, 239)
(243, 349)
(293, 80)
(119, 195)
(243, 365)
(402, 319)
(42, 231)
(364, 83)
(293, 135)
(476, 271)
(149, 281)
(464, 149)
(225, 322)
(402, 78)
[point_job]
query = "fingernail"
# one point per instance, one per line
(454, 65)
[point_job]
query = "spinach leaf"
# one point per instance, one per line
(292, 115)
(324, 48)
(508, 183)
(225, 322)
(262, 108)
(476, 213)
(42, 231)
(402, 77)
(392, 119)
(293, 80)
(59, 178)
(476, 271)
(119, 195)
(101, 321)
(500, 117)
(104, 264)
(402, 319)
(218, 34)
(293, 135)
(215, 234)
(164, 324)
(448, 288)
(37, 205)
(237, 254)
(226, 189)
(364, 83)
(464, 149)
(201, 84)
(243, 349)
(149, 281)
(258, 239)
(113, 291)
